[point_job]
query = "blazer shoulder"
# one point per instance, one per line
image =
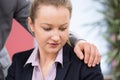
(22, 56)
(70, 52)
(79, 67)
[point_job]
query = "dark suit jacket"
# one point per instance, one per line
(9, 10)
(73, 68)
(1, 73)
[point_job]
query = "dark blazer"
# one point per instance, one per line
(73, 68)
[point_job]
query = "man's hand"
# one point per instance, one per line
(91, 54)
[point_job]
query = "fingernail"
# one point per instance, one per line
(86, 62)
(93, 65)
(89, 65)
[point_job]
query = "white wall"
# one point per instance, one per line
(84, 12)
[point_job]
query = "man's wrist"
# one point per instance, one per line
(74, 38)
(79, 40)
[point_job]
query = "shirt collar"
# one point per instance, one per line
(34, 59)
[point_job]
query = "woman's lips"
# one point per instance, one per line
(54, 44)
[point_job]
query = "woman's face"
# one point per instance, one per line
(51, 28)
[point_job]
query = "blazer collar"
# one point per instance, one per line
(27, 72)
(61, 71)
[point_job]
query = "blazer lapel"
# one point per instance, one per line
(62, 70)
(27, 72)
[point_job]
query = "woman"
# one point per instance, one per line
(52, 58)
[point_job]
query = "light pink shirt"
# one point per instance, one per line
(37, 74)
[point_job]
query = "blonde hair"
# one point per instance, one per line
(35, 4)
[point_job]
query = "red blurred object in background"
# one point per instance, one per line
(19, 39)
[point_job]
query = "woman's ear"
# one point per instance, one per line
(30, 25)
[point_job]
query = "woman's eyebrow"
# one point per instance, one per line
(52, 25)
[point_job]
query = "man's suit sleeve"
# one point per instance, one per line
(22, 12)
(1, 73)
(73, 38)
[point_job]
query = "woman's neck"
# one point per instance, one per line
(47, 57)
(46, 61)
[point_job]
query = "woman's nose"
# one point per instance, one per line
(56, 36)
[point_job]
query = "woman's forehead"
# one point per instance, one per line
(52, 10)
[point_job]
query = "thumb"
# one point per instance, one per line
(79, 53)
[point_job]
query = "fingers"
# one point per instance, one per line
(96, 59)
(78, 52)
(92, 56)
(99, 59)
(87, 54)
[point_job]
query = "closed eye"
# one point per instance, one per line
(63, 29)
(47, 29)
